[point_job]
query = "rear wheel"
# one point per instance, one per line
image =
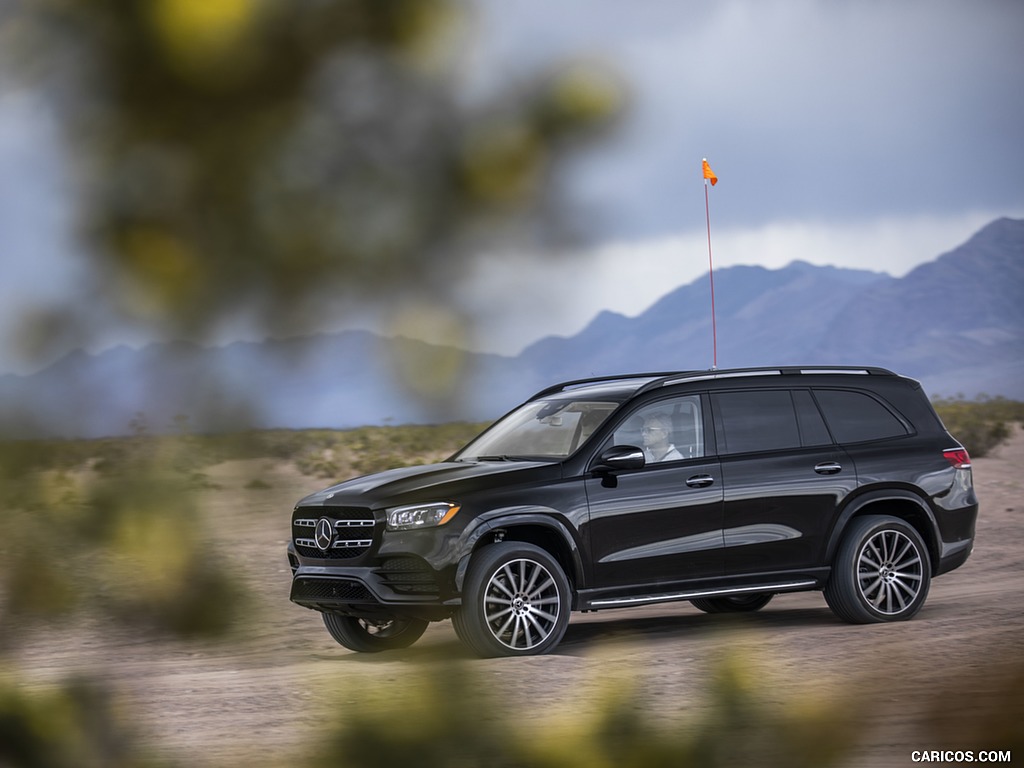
(374, 635)
(515, 601)
(881, 572)
(733, 603)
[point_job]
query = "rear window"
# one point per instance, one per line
(855, 417)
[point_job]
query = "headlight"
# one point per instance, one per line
(421, 516)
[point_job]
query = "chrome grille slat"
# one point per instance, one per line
(352, 543)
(311, 523)
(338, 544)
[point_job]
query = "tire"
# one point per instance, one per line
(881, 572)
(515, 601)
(733, 603)
(369, 636)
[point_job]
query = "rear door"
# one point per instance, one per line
(784, 479)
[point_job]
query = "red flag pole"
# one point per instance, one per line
(711, 271)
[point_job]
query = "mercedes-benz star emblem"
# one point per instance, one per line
(324, 534)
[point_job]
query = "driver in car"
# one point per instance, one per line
(655, 432)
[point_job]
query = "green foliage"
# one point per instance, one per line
(453, 715)
(131, 539)
(980, 424)
(75, 726)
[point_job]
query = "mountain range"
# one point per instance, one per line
(955, 323)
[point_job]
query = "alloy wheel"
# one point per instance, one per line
(521, 604)
(890, 572)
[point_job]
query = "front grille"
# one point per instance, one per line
(333, 590)
(349, 533)
(409, 575)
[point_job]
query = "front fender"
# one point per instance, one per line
(508, 520)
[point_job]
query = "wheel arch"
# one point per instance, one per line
(539, 529)
(901, 504)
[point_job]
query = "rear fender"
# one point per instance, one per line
(895, 502)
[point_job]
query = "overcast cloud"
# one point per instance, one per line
(807, 110)
(864, 134)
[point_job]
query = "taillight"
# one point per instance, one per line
(958, 458)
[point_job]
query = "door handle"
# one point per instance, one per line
(828, 468)
(700, 481)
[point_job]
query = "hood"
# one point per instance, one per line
(439, 482)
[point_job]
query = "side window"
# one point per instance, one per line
(668, 430)
(856, 416)
(812, 426)
(756, 421)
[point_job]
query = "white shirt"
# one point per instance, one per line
(672, 454)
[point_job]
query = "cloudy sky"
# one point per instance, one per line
(875, 135)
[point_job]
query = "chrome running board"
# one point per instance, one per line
(619, 602)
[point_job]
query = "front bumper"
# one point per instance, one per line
(394, 587)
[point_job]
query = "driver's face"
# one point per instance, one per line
(654, 433)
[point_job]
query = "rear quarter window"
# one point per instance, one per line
(855, 417)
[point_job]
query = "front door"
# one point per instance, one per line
(662, 523)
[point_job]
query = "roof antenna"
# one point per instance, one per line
(709, 175)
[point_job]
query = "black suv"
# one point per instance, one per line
(721, 487)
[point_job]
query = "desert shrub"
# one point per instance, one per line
(319, 452)
(364, 450)
(980, 424)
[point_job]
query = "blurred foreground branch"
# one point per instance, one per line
(237, 164)
(261, 162)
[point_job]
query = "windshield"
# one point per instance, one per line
(542, 429)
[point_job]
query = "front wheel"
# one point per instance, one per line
(881, 572)
(515, 601)
(733, 603)
(373, 636)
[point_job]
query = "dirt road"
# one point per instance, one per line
(259, 701)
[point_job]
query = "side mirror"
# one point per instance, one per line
(620, 457)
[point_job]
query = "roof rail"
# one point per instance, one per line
(664, 378)
(787, 370)
(561, 387)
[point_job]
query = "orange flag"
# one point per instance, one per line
(709, 174)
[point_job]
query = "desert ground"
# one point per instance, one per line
(942, 681)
